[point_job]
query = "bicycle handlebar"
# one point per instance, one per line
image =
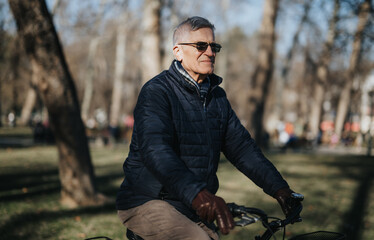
(249, 215)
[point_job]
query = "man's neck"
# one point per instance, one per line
(199, 81)
(199, 78)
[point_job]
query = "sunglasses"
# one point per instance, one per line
(203, 46)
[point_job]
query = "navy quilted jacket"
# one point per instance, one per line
(177, 141)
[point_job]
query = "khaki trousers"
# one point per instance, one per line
(158, 219)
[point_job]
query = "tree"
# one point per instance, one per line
(224, 55)
(89, 76)
(262, 75)
(31, 95)
(56, 88)
(2, 51)
(29, 104)
(120, 65)
(276, 108)
(322, 72)
(345, 96)
(295, 42)
(151, 54)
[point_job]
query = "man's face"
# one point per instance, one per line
(197, 63)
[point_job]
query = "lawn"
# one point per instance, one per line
(337, 188)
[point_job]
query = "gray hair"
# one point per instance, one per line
(191, 24)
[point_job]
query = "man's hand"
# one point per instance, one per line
(287, 203)
(210, 207)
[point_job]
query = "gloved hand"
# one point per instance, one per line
(210, 207)
(287, 203)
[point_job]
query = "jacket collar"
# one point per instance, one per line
(177, 71)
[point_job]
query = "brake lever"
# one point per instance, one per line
(245, 220)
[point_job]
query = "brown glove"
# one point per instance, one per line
(284, 199)
(210, 207)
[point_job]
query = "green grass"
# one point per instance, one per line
(337, 191)
(29, 196)
(338, 195)
(19, 132)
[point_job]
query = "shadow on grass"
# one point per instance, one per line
(27, 225)
(353, 221)
(28, 222)
(360, 169)
(26, 184)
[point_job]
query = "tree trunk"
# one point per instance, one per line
(90, 73)
(56, 88)
(173, 19)
(263, 72)
(322, 74)
(89, 79)
(120, 65)
(28, 106)
(1, 110)
(345, 96)
(304, 86)
(151, 54)
(295, 42)
(223, 58)
(31, 97)
(276, 113)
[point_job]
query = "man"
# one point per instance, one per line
(183, 121)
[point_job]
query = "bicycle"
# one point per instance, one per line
(244, 216)
(248, 215)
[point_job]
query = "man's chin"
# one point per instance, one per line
(207, 71)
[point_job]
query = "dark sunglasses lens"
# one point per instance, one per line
(201, 46)
(215, 47)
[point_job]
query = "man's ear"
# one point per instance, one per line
(178, 53)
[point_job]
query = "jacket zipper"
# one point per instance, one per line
(198, 93)
(210, 145)
(205, 117)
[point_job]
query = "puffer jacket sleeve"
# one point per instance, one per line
(155, 131)
(242, 151)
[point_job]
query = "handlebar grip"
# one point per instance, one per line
(294, 216)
